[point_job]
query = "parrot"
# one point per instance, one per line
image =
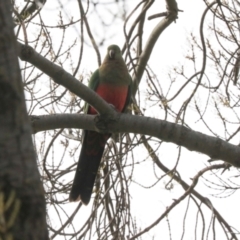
(113, 83)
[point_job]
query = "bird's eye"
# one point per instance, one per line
(111, 54)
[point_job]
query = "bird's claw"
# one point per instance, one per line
(102, 122)
(227, 167)
(111, 105)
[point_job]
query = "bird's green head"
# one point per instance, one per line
(113, 52)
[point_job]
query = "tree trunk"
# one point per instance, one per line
(22, 204)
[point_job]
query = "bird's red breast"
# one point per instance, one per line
(112, 94)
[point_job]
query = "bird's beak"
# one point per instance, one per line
(111, 54)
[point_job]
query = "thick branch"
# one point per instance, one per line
(169, 132)
(60, 76)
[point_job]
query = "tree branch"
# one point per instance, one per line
(147, 51)
(60, 76)
(169, 132)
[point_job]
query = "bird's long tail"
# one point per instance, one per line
(88, 164)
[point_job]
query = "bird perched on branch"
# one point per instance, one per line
(113, 83)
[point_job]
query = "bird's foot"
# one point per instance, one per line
(111, 105)
(102, 122)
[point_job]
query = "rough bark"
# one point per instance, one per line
(22, 204)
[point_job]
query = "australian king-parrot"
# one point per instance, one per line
(113, 83)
